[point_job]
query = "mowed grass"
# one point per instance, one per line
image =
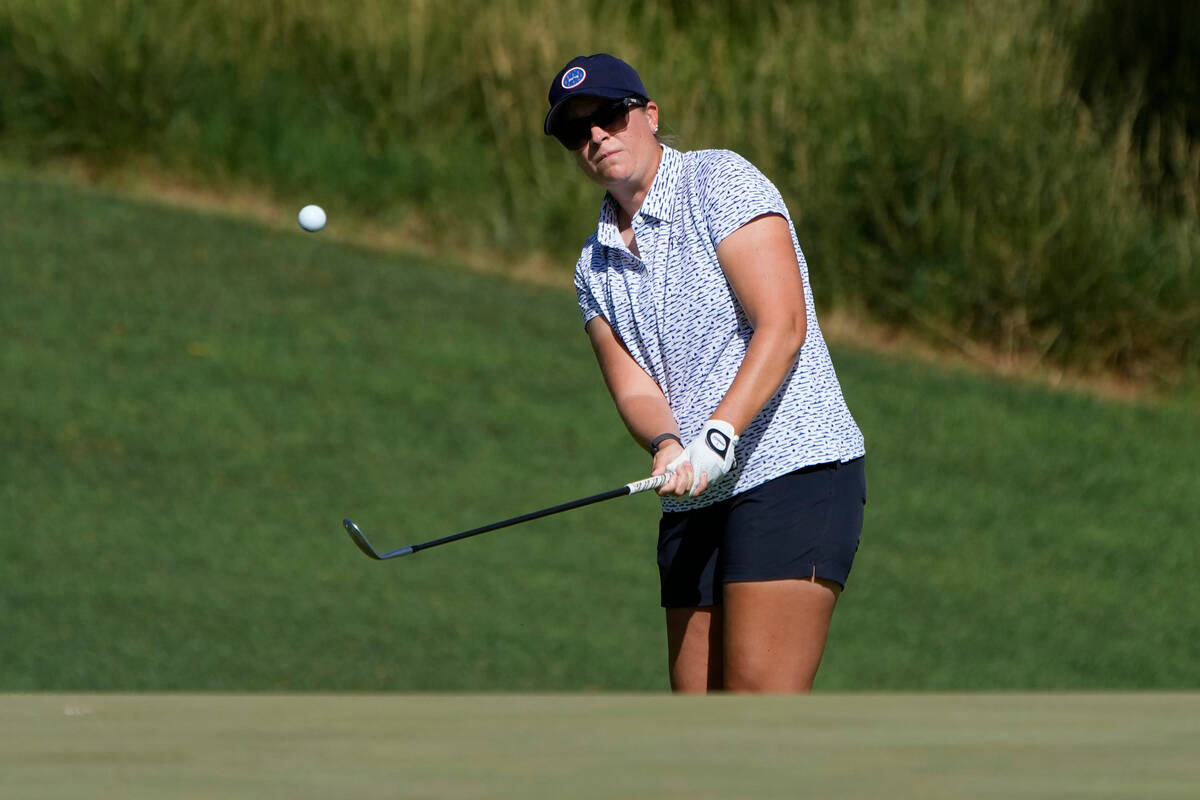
(600, 746)
(192, 403)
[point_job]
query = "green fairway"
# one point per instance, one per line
(453, 746)
(193, 403)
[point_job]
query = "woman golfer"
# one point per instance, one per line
(695, 296)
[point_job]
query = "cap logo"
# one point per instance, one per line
(573, 77)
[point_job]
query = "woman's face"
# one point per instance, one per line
(625, 151)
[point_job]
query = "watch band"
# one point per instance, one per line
(658, 440)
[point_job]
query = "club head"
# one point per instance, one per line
(359, 539)
(365, 546)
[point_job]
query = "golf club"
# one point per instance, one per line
(629, 488)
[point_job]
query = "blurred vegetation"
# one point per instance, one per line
(1017, 174)
(1138, 70)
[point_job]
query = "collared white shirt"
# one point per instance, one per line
(677, 315)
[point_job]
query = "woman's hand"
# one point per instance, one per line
(681, 479)
(709, 456)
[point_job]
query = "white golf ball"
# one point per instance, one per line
(312, 218)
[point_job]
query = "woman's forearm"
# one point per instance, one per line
(646, 416)
(770, 356)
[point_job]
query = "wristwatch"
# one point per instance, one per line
(658, 440)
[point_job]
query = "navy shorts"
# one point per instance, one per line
(804, 524)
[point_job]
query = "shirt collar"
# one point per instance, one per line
(658, 202)
(657, 205)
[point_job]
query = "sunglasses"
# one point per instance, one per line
(613, 117)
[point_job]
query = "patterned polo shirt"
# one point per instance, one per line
(677, 315)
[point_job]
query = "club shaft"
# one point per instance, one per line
(630, 488)
(360, 540)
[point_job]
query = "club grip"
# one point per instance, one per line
(647, 483)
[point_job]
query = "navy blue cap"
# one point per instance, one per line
(599, 75)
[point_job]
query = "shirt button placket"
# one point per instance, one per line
(642, 235)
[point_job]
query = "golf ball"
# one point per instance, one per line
(312, 218)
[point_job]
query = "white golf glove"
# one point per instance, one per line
(711, 453)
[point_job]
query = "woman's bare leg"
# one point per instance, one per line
(694, 649)
(775, 632)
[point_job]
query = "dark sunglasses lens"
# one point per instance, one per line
(604, 117)
(574, 133)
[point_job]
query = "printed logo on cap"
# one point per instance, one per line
(573, 77)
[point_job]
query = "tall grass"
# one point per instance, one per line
(942, 170)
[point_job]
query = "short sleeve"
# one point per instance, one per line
(589, 306)
(732, 192)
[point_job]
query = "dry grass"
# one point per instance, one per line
(839, 325)
(858, 330)
(143, 181)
